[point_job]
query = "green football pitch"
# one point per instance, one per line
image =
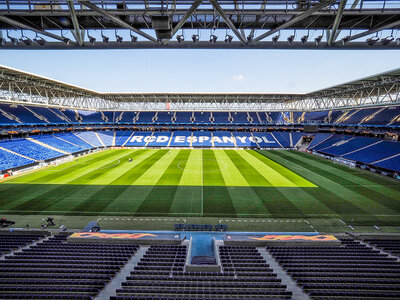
(204, 183)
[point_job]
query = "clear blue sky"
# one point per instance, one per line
(203, 71)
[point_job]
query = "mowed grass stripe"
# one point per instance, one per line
(69, 171)
(216, 198)
(274, 167)
(153, 174)
(307, 203)
(160, 198)
(323, 178)
(57, 193)
(353, 177)
(103, 198)
(243, 197)
(324, 185)
(274, 202)
(371, 195)
(97, 181)
(188, 196)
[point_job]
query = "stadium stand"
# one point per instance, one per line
(90, 117)
(181, 139)
(183, 117)
(58, 143)
(164, 118)
(146, 117)
(11, 242)
(107, 137)
(73, 139)
(201, 117)
(9, 160)
(223, 139)
(202, 139)
(121, 137)
(387, 244)
(90, 137)
(30, 149)
(351, 270)
(54, 269)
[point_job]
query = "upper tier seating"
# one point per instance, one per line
(146, 117)
(164, 117)
(315, 116)
(23, 114)
(360, 115)
(30, 149)
(10, 160)
(255, 117)
(55, 269)
(35, 115)
(91, 116)
(183, 117)
(350, 271)
(220, 118)
(70, 114)
(50, 116)
(126, 117)
(202, 117)
(239, 117)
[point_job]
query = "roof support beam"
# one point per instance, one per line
(336, 23)
(219, 9)
(293, 21)
(371, 31)
(28, 27)
(187, 15)
(117, 20)
(77, 33)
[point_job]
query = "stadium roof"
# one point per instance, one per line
(16, 85)
(277, 24)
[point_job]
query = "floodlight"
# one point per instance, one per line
(250, 38)
(228, 38)
(180, 38)
(92, 40)
(195, 38)
(41, 41)
(105, 38)
(371, 41)
(275, 39)
(345, 40)
(290, 39)
(118, 38)
(304, 39)
(213, 38)
(2, 41)
(67, 41)
(133, 38)
(398, 41)
(27, 41)
(387, 40)
(318, 40)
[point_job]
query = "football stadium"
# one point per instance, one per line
(130, 195)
